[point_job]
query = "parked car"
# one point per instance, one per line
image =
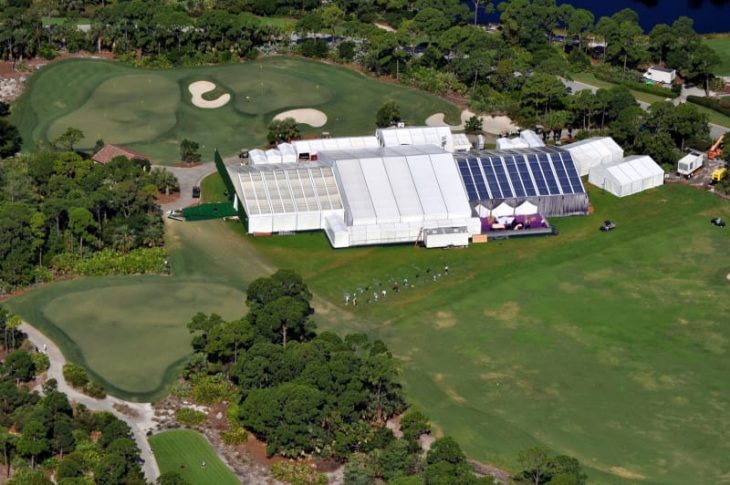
(717, 221)
(607, 226)
(196, 192)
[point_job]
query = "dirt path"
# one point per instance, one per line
(141, 417)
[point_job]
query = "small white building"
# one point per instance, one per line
(628, 176)
(660, 75)
(690, 163)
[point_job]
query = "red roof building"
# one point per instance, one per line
(110, 152)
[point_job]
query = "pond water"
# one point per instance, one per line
(709, 15)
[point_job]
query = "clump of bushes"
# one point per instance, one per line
(209, 390)
(111, 262)
(41, 362)
(234, 436)
(95, 390)
(75, 375)
(190, 416)
(297, 473)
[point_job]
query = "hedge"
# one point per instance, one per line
(719, 105)
(111, 262)
(212, 210)
(637, 86)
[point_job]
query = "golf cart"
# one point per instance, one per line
(607, 226)
(717, 221)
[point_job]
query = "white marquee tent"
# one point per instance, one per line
(595, 151)
(439, 136)
(306, 148)
(628, 176)
(288, 153)
(532, 139)
(527, 208)
(502, 210)
(257, 156)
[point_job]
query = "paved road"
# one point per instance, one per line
(140, 424)
(715, 130)
(188, 177)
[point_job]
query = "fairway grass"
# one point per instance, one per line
(184, 451)
(130, 332)
(151, 110)
(611, 347)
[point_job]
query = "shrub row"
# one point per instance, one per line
(190, 416)
(637, 86)
(719, 105)
(111, 262)
(77, 377)
(297, 473)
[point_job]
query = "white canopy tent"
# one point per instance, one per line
(502, 210)
(527, 208)
(628, 176)
(595, 151)
(257, 157)
(482, 211)
(273, 156)
(510, 143)
(532, 139)
(306, 148)
(288, 153)
(439, 136)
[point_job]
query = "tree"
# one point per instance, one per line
(536, 464)
(81, 223)
(473, 125)
(19, 365)
(445, 450)
(68, 139)
(63, 440)
(7, 443)
(284, 130)
(285, 316)
(189, 151)
(580, 22)
(332, 15)
(75, 375)
(414, 424)
(388, 115)
(33, 441)
(110, 470)
(10, 140)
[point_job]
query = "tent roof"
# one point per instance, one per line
(526, 208)
(633, 168)
(503, 209)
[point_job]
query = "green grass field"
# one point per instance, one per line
(611, 347)
(183, 451)
(588, 78)
(151, 111)
(721, 45)
(129, 332)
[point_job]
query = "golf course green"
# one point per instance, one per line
(190, 455)
(152, 110)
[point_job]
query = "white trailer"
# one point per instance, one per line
(689, 164)
(445, 237)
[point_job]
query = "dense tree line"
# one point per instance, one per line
(42, 433)
(54, 203)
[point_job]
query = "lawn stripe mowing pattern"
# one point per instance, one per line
(611, 347)
(183, 451)
(140, 108)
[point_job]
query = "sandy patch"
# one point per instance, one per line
(447, 389)
(199, 88)
(624, 473)
(495, 125)
(507, 313)
(445, 320)
(308, 116)
(728, 277)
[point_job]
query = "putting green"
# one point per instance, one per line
(130, 332)
(125, 109)
(151, 110)
(104, 336)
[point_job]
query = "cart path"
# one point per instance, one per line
(141, 423)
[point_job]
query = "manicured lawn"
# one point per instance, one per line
(151, 111)
(609, 347)
(212, 189)
(722, 47)
(714, 116)
(592, 80)
(184, 451)
(130, 332)
(286, 24)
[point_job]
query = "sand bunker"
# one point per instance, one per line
(199, 88)
(308, 116)
(495, 125)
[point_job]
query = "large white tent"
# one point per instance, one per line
(286, 197)
(628, 176)
(595, 151)
(439, 136)
(391, 195)
(306, 148)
